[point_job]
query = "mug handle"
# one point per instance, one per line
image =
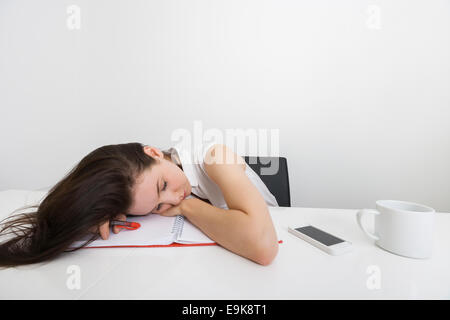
(359, 215)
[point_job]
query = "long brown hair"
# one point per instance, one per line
(96, 190)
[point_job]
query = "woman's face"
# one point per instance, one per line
(159, 188)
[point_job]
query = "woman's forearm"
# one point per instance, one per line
(251, 237)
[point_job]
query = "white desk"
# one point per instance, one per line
(300, 270)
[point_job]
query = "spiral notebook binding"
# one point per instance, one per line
(178, 225)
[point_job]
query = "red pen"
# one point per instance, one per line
(126, 224)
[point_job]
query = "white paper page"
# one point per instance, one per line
(192, 234)
(154, 230)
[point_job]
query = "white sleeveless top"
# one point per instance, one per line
(201, 183)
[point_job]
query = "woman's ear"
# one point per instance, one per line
(153, 152)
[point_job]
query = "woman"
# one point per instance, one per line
(116, 180)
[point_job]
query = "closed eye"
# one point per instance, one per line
(164, 188)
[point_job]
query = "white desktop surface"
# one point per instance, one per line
(300, 271)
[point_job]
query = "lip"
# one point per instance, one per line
(184, 195)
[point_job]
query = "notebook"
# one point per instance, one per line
(155, 231)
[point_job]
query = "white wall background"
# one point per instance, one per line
(360, 90)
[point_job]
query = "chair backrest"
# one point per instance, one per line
(273, 171)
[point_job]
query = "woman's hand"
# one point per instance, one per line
(177, 210)
(103, 229)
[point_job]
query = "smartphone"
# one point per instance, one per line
(321, 239)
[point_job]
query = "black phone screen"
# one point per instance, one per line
(319, 235)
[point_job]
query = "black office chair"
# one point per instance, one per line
(273, 172)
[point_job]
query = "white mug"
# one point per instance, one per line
(401, 227)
